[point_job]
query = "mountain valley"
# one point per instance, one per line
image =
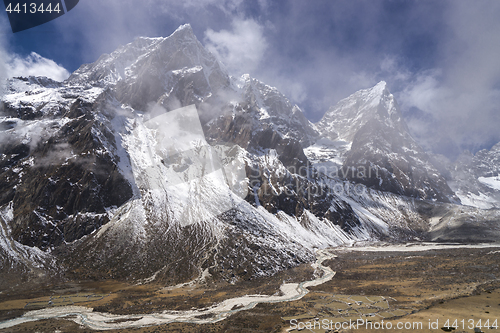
(153, 166)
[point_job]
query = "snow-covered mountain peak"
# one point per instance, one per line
(169, 70)
(376, 93)
(181, 51)
(94, 165)
(371, 96)
(183, 34)
(184, 28)
(344, 120)
(366, 131)
(382, 85)
(496, 148)
(475, 178)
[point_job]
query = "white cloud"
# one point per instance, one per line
(13, 65)
(296, 91)
(460, 98)
(422, 91)
(3, 71)
(227, 6)
(3, 56)
(35, 65)
(393, 67)
(240, 50)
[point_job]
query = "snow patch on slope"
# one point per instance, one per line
(493, 182)
(328, 156)
(479, 200)
(19, 254)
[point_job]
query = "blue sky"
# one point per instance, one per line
(439, 58)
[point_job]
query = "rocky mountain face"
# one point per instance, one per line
(368, 137)
(476, 178)
(154, 164)
(97, 173)
(172, 71)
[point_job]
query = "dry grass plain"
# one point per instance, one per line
(397, 287)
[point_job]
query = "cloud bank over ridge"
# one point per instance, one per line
(438, 58)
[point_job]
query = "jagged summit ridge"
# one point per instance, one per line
(138, 220)
(343, 120)
(102, 180)
(476, 178)
(145, 69)
(366, 132)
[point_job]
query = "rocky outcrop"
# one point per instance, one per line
(381, 152)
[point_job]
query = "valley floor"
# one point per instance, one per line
(396, 284)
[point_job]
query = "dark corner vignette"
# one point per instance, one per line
(25, 15)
